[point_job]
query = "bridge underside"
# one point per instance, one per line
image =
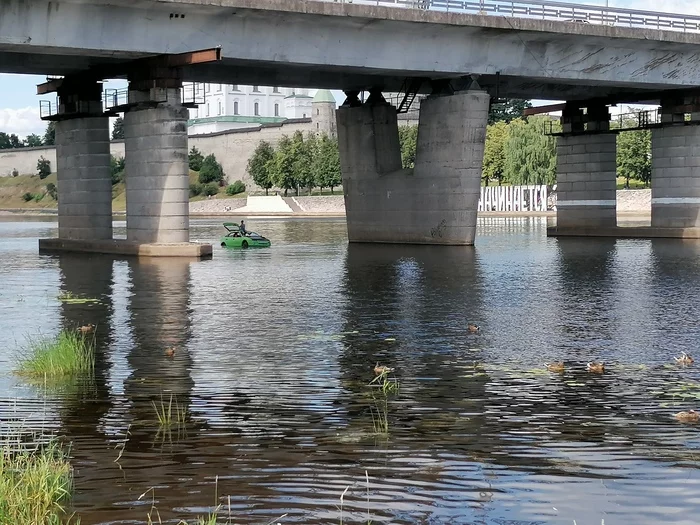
(288, 44)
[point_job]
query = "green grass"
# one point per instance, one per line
(169, 415)
(68, 354)
(34, 485)
(634, 184)
(13, 188)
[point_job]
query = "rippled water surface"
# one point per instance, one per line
(275, 349)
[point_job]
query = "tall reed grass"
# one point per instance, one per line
(68, 354)
(35, 484)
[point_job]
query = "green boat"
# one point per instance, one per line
(235, 239)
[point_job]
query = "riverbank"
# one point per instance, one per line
(629, 203)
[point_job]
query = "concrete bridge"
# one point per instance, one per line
(464, 54)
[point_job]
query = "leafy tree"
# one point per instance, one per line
(50, 134)
(43, 167)
(408, 137)
(530, 155)
(634, 156)
(10, 141)
(235, 188)
(211, 171)
(306, 152)
(117, 166)
(258, 165)
(494, 161)
(118, 129)
(33, 141)
(326, 163)
(281, 167)
(509, 110)
(195, 158)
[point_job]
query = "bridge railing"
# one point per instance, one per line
(561, 11)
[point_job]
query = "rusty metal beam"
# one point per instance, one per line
(543, 109)
(49, 86)
(202, 56)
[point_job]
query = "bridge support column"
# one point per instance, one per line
(586, 171)
(157, 182)
(675, 172)
(83, 165)
(436, 201)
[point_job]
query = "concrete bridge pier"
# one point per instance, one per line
(433, 202)
(586, 170)
(83, 164)
(675, 168)
(157, 168)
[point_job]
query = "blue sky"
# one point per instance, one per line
(19, 104)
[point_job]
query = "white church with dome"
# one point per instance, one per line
(229, 107)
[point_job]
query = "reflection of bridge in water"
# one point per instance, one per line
(283, 437)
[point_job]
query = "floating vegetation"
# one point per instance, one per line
(35, 483)
(70, 298)
(68, 354)
(321, 336)
(379, 409)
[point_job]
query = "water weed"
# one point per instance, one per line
(171, 413)
(68, 354)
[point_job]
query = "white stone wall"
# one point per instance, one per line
(231, 148)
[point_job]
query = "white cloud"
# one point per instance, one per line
(22, 121)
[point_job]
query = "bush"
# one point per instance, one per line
(211, 189)
(235, 188)
(196, 189)
(43, 167)
(38, 196)
(211, 170)
(116, 167)
(52, 191)
(15, 173)
(27, 197)
(195, 158)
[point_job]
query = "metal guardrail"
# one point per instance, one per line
(561, 11)
(633, 121)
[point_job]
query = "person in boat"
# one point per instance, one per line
(242, 227)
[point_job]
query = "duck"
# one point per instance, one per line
(557, 366)
(86, 329)
(379, 370)
(690, 416)
(684, 359)
(170, 351)
(472, 328)
(598, 368)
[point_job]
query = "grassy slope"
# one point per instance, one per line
(12, 189)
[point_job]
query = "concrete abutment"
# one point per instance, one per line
(436, 201)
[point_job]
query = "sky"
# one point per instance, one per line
(19, 104)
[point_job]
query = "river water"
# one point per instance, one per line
(274, 350)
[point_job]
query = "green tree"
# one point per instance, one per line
(634, 156)
(195, 158)
(408, 137)
(10, 141)
(258, 165)
(307, 149)
(494, 161)
(510, 109)
(235, 188)
(211, 170)
(43, 167)
(118, 129)
(530, 155)
(50, 134)
(33, 141)
(326, 163)
(281, 167)
(117, 166)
